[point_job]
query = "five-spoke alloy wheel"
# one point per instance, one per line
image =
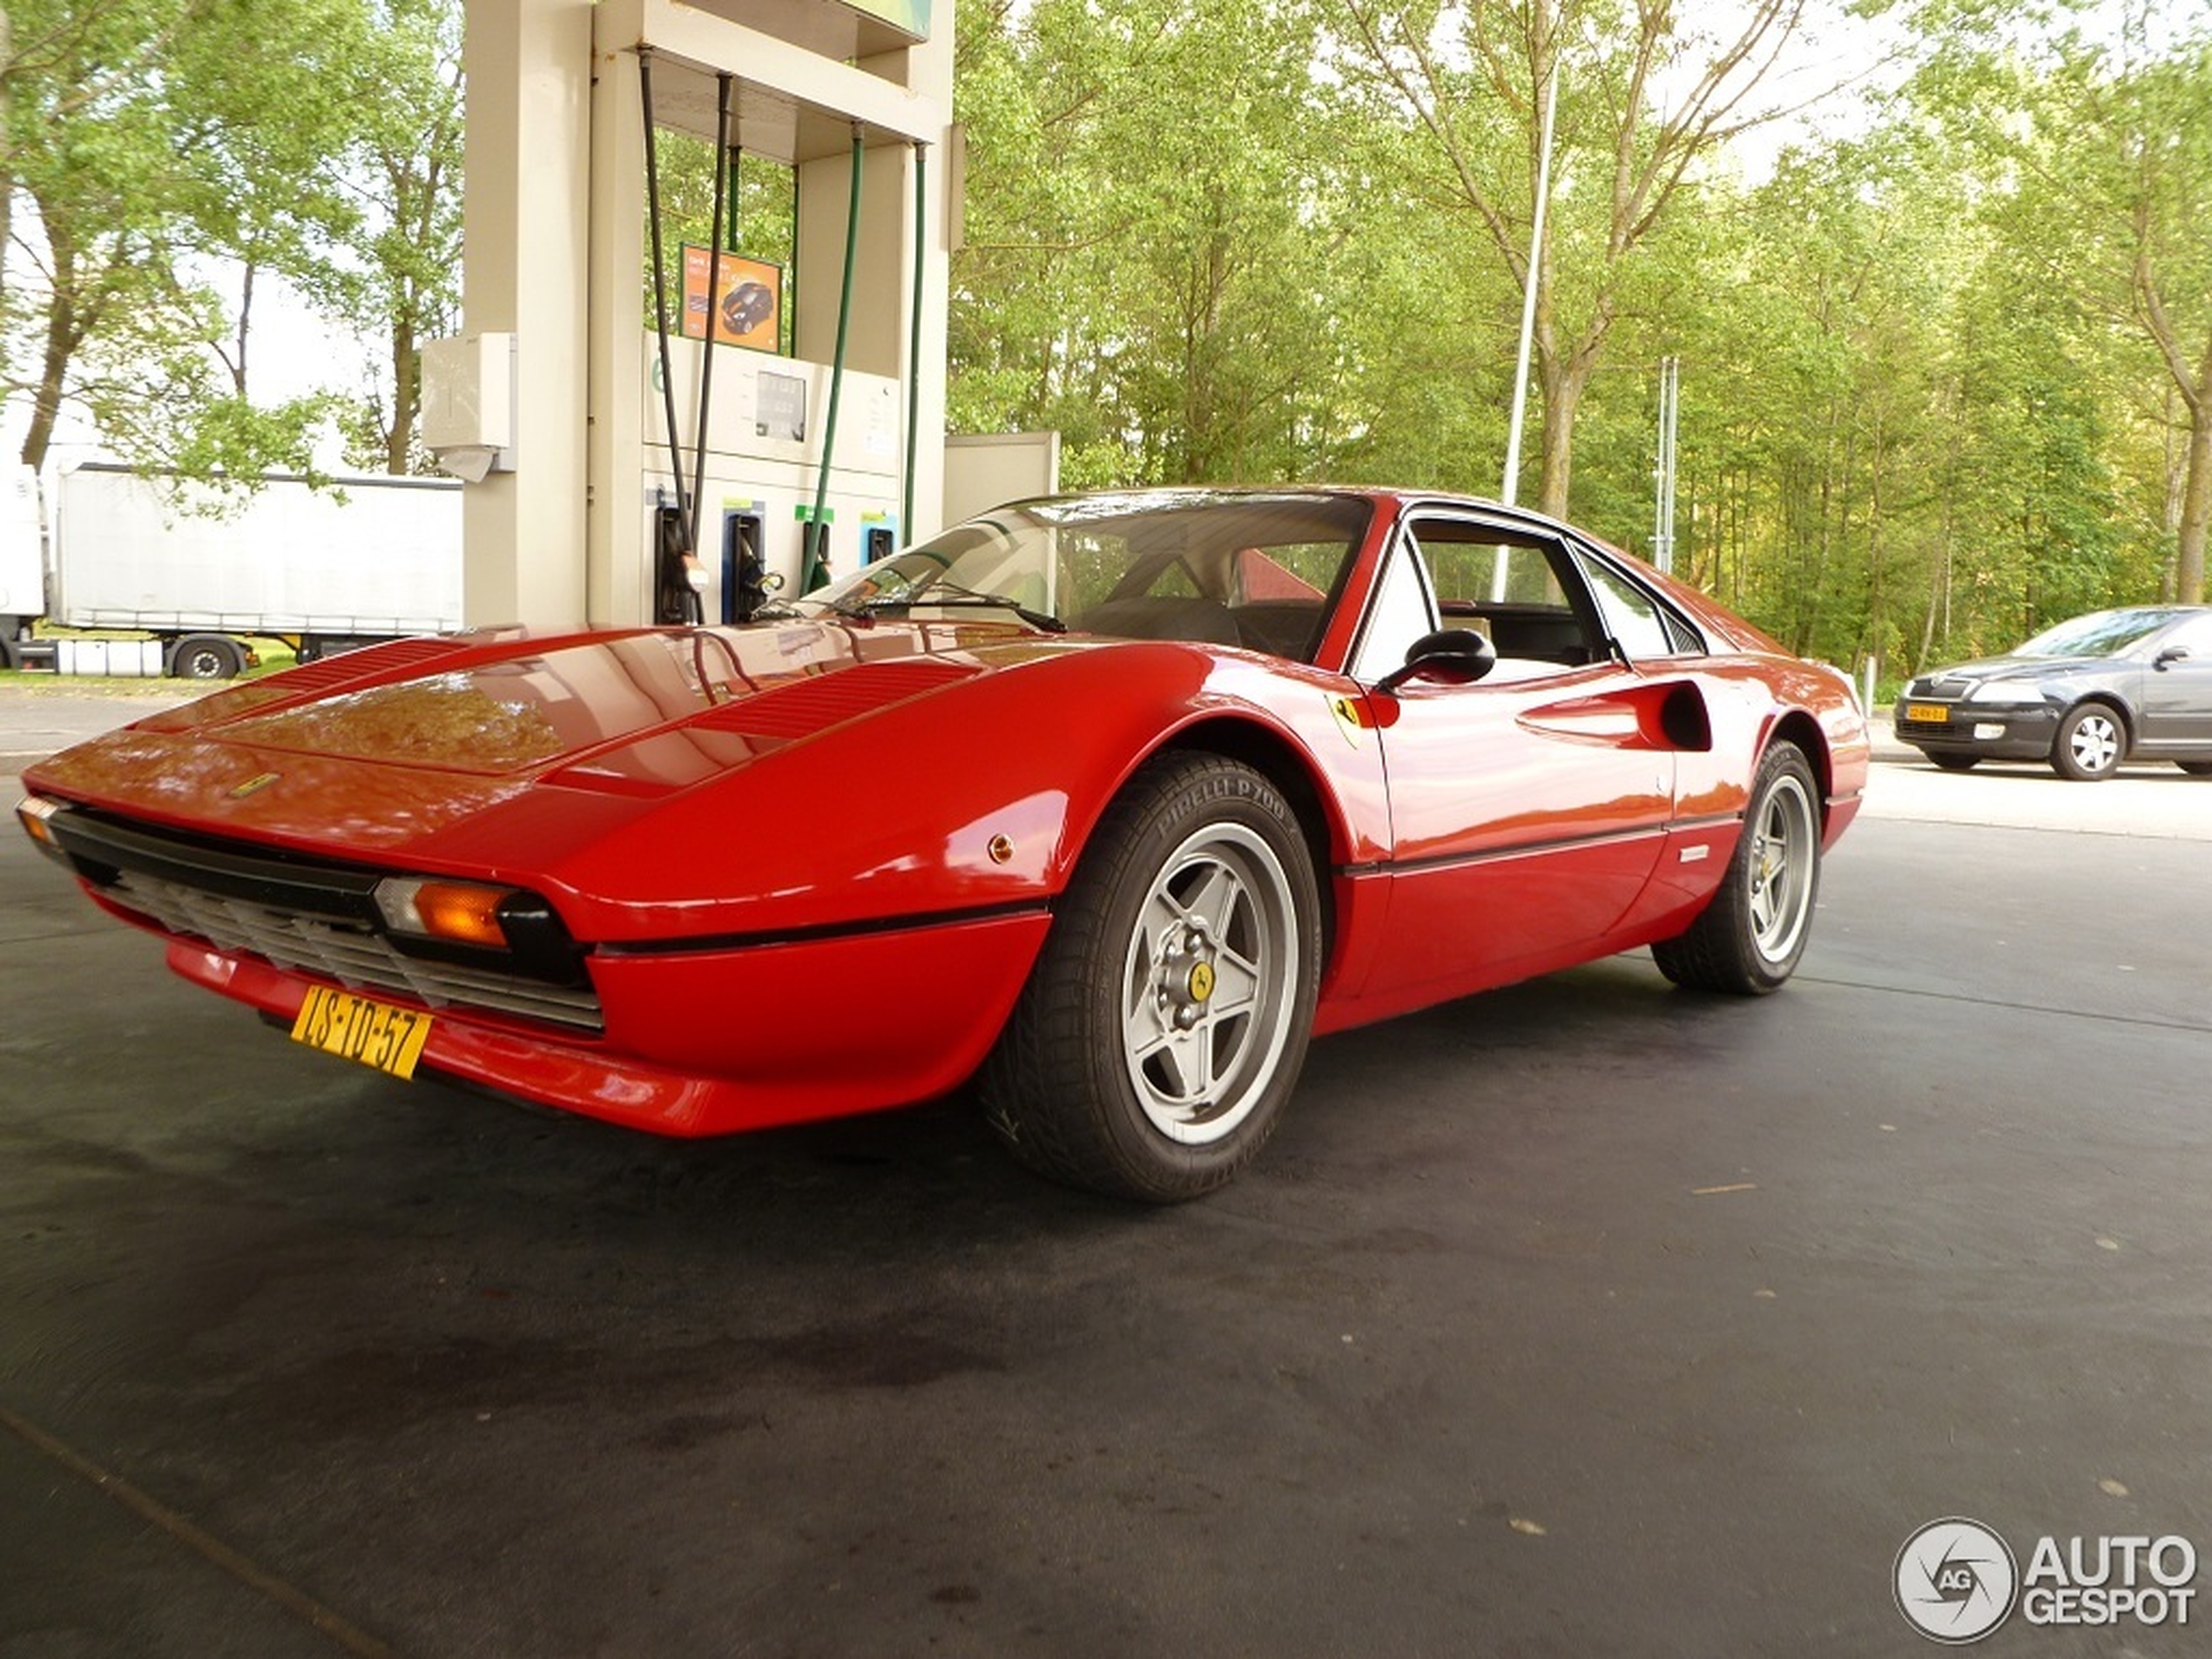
(1166, 1021)
(1749, 939)
(1207, 985)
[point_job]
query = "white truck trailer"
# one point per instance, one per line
(23, 564)
(370, 557)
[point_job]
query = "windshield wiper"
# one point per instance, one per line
(944, 594)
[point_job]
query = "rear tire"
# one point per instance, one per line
(1748, 940)
(2195, 768)
(206, 657)
(1165, 1025)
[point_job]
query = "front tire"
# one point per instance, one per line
(1955, 762)
(2090, 745)
(1165, 1023)
(1748, 940)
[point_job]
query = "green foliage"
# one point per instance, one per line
(164, 158)
(146, 144)
(1155, 251)
(1926, 403)
(1943, 382)
(394, 274)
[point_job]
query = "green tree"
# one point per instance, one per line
(1846, 268)
(150, 144)
(2102, 156)
(1154, 226)
(2032, 477)
(392, 274)
(1645, 96)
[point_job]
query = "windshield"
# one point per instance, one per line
(1229, 569)
(2103, 633)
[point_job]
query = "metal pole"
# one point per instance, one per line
(814, 568)
(660, 291)
(1511, 491)
(723, 83)
(906, 537)
(1662, 539)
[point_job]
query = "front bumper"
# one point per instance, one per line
(678, 1036)
(1994, 731)
(712, 1042)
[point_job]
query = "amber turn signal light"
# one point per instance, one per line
(461, 913)
(34, 811)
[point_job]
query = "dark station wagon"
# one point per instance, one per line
(2128, 684)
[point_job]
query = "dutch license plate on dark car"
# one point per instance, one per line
(1934, 713)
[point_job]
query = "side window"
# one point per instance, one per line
(2196, 638)
(1175, 581)
(1299, 570)
(1401, 612)
(1471, 575)
(1519, 588)
(1632, 617)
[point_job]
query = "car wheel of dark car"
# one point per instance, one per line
(1166, 1021)
(1955, 762)
(2196, 768)
(2090, 744)
(1749, 939)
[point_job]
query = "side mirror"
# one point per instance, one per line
(1457, 650)
(2170, 656)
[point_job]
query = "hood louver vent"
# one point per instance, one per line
(345, 665)
(822, 701)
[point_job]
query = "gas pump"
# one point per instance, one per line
(747, 583)
(815, 410)
(682, 579)
(787, 471)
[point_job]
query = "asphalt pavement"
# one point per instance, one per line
(1587, 1318)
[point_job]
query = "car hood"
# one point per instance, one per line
(2016, 668)
(381, 745)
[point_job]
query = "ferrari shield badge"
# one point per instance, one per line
(1347, 713)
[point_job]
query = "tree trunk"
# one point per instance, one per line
(1563, 381)
(2196, 507)
(406, 399)
(1559, 407)
(65, 328)
(241, 340)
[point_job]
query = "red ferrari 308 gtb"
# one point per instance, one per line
(1107, 802)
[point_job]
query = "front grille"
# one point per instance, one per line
(350, 953)
(313, 916)
(1936, 689)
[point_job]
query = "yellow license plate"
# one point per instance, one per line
(1934, 713)
(353, 1027)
